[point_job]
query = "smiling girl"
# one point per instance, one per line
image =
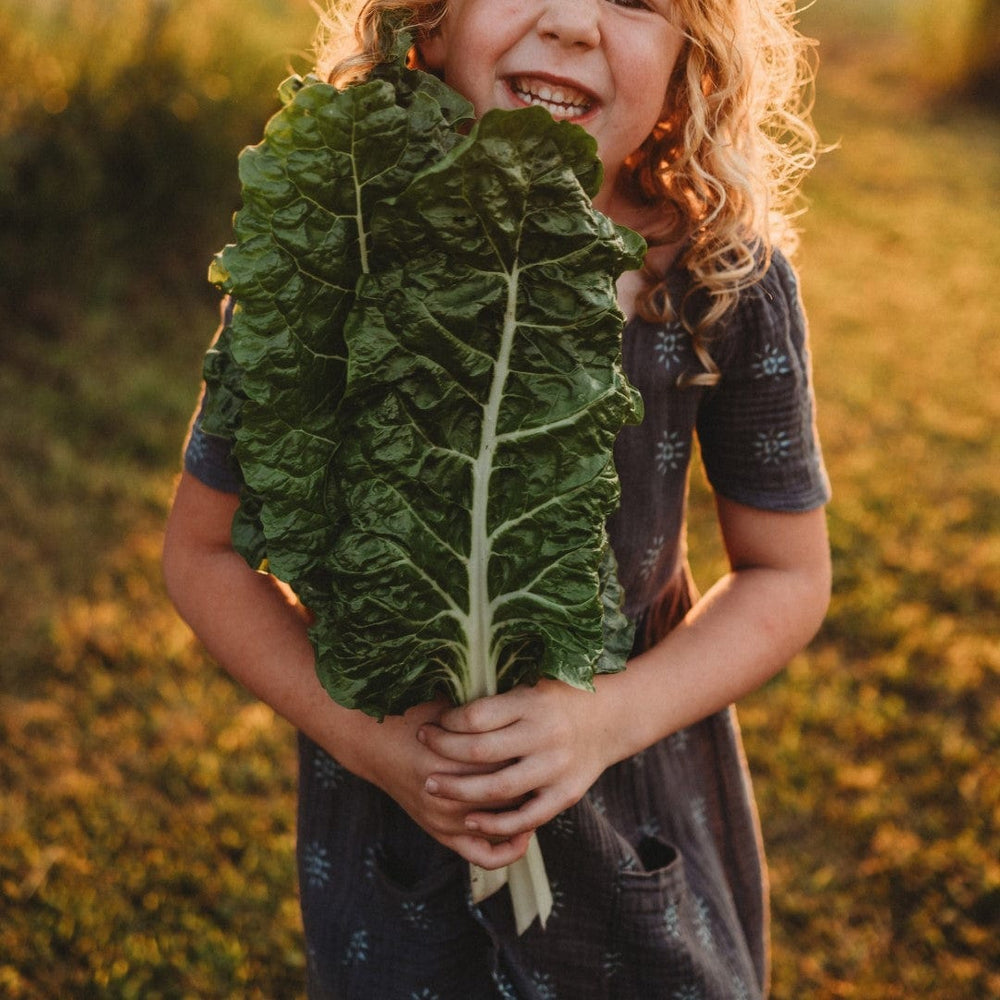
(638, 793)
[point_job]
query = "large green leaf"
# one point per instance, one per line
(473, 474)
(275, 377)
(422, 377)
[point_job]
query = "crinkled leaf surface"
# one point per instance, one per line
(422, 378)
(474, 471)
(276, 375)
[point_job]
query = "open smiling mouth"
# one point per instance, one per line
(559, 100)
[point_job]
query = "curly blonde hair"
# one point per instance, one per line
(724, 165)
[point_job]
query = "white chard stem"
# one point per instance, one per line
(530, 892)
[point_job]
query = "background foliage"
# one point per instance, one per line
(147, 814)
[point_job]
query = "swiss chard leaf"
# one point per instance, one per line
(276, 375)
(473, 474)
(422, 377)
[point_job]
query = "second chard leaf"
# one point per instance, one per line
(277, 372)
(473, 471)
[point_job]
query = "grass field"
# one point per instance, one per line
(147, 814)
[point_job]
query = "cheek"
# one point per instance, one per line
(650, 67)
(662, 62)
(475, 85)
(648, 113)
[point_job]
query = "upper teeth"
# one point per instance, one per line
(563, 101)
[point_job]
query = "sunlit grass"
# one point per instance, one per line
(873, 753)
(147, 839)
(147, 820)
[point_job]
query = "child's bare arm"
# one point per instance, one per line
(252, 626)
(740, 634)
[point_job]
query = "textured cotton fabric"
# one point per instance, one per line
(755, 428)
(657, 873)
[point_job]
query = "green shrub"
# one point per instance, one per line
(959, 42)
(120, 123)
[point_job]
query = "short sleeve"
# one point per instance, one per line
(756, 428)
(209, 457)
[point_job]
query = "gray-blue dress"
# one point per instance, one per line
(657, 873)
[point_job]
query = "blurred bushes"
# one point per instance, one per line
(959, 42)
(120, 123)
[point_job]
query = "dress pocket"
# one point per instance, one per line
(441, 887)
(668, 936)
(658, 955)
(654, 880)
(401, 937)
(419, 888)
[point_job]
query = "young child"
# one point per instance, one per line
(639, 792)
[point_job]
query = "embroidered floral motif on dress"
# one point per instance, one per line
(316, 865)
(772, 446)
(770, 363)
(668, 345)
(671, 452)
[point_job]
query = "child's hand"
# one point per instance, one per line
(401, 766)
(541, 747)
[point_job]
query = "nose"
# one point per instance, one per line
(571, 23)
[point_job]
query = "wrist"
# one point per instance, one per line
(625, 706)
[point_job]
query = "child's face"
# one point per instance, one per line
(604, 64)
